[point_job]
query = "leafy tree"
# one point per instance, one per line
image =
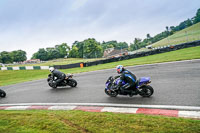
(148, 36)
(42, 54)
(80, 47)
(167, 28)
(73, 53)
(136, 44)
(121, 45)
(53, 53)
(197, 17)
(6, 57)
(114, 44)
(63, 49)
(109, 44)
(92, 48)
(188, 22)
(18, 55)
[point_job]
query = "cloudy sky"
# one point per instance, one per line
(33, 24)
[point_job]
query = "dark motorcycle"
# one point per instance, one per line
(67, 81)
(2, 93)
(142, 87)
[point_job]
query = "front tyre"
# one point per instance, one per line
(146, 91)
(52, 85)
(111, 93)
(72, 82)
(2, 93)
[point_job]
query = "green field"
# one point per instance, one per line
(11, 77)
(80, 122)
(58, 62)
(189, 34)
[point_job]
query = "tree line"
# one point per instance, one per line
(90, 48)
(14, 56)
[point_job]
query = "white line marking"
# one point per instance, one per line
(119, 110)
(62, 107)
(189, 114)
(17, 108)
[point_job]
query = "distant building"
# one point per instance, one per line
(32, 61)
(111, 53)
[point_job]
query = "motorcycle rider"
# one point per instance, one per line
(128, 77)
(55, 73)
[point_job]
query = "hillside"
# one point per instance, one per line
(189, 34)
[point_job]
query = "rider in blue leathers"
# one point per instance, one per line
(126, 76)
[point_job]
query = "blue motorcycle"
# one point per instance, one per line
(142, 87)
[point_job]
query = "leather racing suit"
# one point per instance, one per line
(60, 76)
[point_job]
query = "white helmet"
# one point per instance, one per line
(51, 69)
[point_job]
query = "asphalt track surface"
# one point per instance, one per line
(176, 83)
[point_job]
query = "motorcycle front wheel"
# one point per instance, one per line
(2, 93)
(52, 85)
(111, 93)
(146, 91)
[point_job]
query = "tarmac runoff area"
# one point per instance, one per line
(172, 111)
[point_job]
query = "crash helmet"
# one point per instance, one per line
(119, 68)
(51, 69)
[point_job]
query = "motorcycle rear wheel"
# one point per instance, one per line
(2, 93)
(72, 82)
(146, 91)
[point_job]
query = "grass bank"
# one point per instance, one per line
(79, 121)
(11, 77)
(189, 34)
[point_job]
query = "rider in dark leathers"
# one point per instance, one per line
(55, 73)
(126, 76)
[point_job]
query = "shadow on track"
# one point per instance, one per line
(62, 89)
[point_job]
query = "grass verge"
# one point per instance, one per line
(189, 34)
(11, 77)
(78, 121)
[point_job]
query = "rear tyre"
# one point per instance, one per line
(146, 91)
(72, 82)
(111, 93)
(2, 93)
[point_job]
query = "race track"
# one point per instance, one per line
(176, 83)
